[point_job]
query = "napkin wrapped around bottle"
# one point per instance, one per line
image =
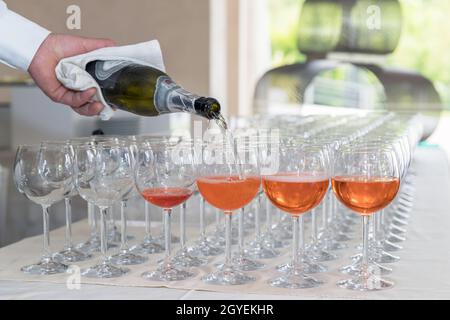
(72, 74)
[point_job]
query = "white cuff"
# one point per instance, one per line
(19, 39)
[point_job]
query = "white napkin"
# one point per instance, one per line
(72, 74)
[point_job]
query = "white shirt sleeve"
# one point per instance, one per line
(19, 38)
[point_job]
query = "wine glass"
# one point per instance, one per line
(103, 176)
(92, 244)
(69, 253)
(296, 187)
(152, 244)
(44, 175)
(365, 180)
(228, 182)
(165, 177)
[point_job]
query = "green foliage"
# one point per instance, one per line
(424, 45)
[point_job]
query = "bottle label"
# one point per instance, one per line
(170, 97)
(105, 69)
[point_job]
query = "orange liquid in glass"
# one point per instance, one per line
(365, 195)
(295, 194)
(228, 193)
(166, 197)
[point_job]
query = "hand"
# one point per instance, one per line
(42, 70)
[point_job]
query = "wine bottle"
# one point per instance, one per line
(147, 91)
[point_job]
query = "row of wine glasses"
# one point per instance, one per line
(314, 168)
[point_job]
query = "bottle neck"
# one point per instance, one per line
(170, 97)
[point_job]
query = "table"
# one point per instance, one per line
(422, 272)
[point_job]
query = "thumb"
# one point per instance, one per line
(91, 44)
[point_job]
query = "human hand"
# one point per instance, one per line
(42, 70)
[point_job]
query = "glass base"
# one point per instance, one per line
(242, 263)
(205, 248)
(126, 257)
(308, 267)
(391, 247)
(46, 266)
(395, 238)
(375, 268)
(148, 246)
(295, 280)
(228, 276)
(93, 246)
(366, 283)
(317, 253)
(395, 230)
(104, 270)
(184, 259)
(378, 256)
(71, 255)
(167, 273)
(257, 250)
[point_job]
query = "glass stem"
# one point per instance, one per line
(334, 209)
(167, 233)
(202, 219)
(374, 230)
(103, 232)
(295, 242)
(68, 205)
(268, 216)
(112, 218)
(163, 218)
(228, 216)
(123, 221)
(257, 219)
(93, 220)
(330, 208)
(325, 206)
(217, 219)
(313, 227)
(365, 251)
(148, 221)
(301, 236)
(183, 226)
(241, 230)
(378, 230)
(46, 245)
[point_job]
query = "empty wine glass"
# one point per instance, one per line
(103, 176)
(69, 253)
(165, 176)
(44, 175)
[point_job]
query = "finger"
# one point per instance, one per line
(89, 109)
(77, 99)
(90, 44)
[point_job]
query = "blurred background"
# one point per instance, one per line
(255, 56)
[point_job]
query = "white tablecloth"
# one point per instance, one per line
(422, 272)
